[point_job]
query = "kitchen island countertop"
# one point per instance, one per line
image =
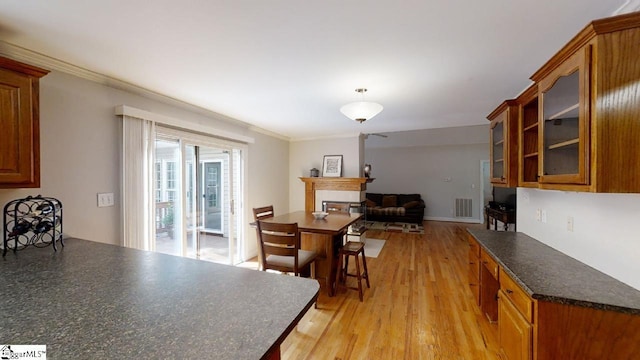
(92, 300)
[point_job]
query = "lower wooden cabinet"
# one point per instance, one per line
(562, 331)
(474, 269)
(489, 285)
(515, 332)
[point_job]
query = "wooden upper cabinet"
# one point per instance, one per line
(528, 151)
(19, 121)
(503, 140)
(589, 101)
(564, 122)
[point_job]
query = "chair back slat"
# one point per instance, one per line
(264, 212)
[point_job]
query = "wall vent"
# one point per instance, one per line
(464, 208)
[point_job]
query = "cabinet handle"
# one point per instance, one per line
(509, 291)
(485, 262)
(471, 263)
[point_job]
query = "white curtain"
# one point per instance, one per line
(138, 222)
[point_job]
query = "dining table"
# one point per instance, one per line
(324, 236)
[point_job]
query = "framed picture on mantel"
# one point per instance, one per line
(332, 166)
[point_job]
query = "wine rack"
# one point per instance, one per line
(34, 220)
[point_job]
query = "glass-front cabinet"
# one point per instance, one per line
(564, 126)
(504, 144)
(497, 150)
(528, 149)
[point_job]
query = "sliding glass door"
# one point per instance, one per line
(198, 187)
(168, 197)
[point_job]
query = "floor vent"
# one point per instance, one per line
(464, 208)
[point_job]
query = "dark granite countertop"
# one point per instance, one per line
(550, 275)
(97, 301)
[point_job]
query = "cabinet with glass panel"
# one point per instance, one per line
(564, 110)
(588, 106)
(528, 149)
(504, 144)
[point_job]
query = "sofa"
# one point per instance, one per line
(395, 207)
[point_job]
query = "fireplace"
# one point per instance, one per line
(320, 189)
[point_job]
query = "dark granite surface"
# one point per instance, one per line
(97, 301)
(550, 275)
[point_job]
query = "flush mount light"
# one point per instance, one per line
(361, 111)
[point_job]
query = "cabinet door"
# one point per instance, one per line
(514, 331)
(499, 150)
(565, 119)
(474, 275)
(528, 149)
(19, 148)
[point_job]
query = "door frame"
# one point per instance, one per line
(483, 180)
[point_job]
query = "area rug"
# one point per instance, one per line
(372, 247)
(396, 227)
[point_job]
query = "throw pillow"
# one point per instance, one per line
(370, 203)
(389, 201)
(411, 204)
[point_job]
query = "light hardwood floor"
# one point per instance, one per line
(419, 306)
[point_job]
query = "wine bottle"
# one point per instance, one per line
(20, 228)
(44, 208)
(43, 226)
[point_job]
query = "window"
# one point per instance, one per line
(171, 175)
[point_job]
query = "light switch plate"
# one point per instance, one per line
(105, 199)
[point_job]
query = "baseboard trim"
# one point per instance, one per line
(458, 220)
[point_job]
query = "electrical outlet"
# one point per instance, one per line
(105, 199)
(570, 223)
(544, 216)
(538, 215)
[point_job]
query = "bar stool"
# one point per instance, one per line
(352, 248)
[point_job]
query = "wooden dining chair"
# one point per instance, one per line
(337, 207)
(280, 248)
(261, 213)
(341, 208)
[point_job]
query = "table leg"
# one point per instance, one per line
(332, 254)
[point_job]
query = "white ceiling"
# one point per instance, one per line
(289, 65)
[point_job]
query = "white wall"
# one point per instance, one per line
(268, 181)
(80, 153)
(305, 155)
(604, 235)
(422, 162)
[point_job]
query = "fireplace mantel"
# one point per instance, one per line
(311, 184)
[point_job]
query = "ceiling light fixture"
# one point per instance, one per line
(361, 111)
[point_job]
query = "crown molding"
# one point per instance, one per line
(34, 58)
(269, 133)
(329, 137)
(628, 7)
